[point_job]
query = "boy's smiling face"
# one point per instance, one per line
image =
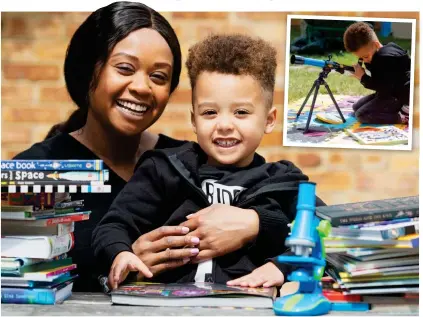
(230, 116)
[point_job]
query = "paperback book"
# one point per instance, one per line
(36, 246)
(48, 165)
(370, 211)
(44, 296)
(385, 135)
(193, 294)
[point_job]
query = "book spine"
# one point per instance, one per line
(61, 244)
(375, 216)
(64, 211)
(22, 246)
(395, 233)
(66, 219)
(27, 296)
(14, 215)
(380, 223)
(53, 272)
(57, 230)
(50, 165)
(61, 270)
(65, 228)
(7, 177)
(49, 221)
(69, 204)
(50, 182)
(94, 187)
(38, 200)
(46, 265)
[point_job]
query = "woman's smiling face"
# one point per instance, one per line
(133, 86)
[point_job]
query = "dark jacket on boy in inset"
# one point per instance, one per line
(390, 73)
(166, 188)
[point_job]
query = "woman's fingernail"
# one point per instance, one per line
(185, 260)
(195, 240)
(189, 216)
(195, 251)
(185, 229)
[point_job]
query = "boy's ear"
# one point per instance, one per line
(270, 120)
(194, 128)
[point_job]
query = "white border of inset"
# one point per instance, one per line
(286, 142)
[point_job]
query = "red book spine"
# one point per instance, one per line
(335, 296)
(66, 219)
(61, 270)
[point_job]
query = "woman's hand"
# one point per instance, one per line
(222, 229)
(165, 248)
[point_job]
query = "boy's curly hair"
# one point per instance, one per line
(357, 35)
(234, 54)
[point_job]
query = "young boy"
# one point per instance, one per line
(232, 79)
(390, 76)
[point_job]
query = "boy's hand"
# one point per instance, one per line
(124, 263)
(358, 71)
(266, 275)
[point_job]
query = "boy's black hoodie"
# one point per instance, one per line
(166, 188)
(390, 73)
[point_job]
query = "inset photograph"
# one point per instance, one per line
(349, 82)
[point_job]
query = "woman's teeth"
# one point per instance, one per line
(132, 108)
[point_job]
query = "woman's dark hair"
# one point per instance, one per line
(92, 43)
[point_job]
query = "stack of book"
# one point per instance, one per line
(373, 248)
(38, 218)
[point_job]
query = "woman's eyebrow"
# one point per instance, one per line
(134, 58)
(163, 64)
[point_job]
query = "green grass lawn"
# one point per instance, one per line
(301, 78)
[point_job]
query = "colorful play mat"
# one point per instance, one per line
(322, 133)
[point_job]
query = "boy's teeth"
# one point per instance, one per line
(227, 143)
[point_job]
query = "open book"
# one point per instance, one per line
(193, 294)
(384, 135)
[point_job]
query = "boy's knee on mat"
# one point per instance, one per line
(356, 106)
(364, 118)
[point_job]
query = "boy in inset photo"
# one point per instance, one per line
(389, 66)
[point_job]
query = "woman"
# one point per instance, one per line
(121, 66)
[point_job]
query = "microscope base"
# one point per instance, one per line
(311, 304)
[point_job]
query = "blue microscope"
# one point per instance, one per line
(306, 242)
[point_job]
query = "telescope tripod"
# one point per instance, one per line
(316, 86)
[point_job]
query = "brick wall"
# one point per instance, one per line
(34, 98)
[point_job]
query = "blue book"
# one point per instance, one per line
(43, 296)
(22, 282)
(51, 165)
(53, 177)
(350, 306)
